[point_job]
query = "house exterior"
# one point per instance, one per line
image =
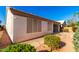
(22, 26)
(63, 24)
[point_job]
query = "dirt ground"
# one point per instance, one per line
(4, 41)
(38, 43)
(1, 33)
(65, 37)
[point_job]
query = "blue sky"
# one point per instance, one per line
(52, 12)
(2, 14)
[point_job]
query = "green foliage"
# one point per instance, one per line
(65, 30)
(52, 41)
(77, 23)
(76, 40)
(19, 48)
(71, 24)
(68, 22)
(74, 28)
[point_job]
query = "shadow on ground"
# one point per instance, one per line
(62, 44)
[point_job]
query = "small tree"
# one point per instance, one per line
(52, 41)
(76, 40)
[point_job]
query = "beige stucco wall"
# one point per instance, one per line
(44, 26)
(52, 28)
(20, 29)
(16, 27)
(9, 23)
(59, 28)
(20, 26)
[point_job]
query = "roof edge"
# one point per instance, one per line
(21, 13)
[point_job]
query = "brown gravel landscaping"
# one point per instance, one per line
(4, 39)
(66, 37)
(38, 43)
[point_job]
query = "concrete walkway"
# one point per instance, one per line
(65, 37)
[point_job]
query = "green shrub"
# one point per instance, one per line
(19, 48)
(74, 29)
(76, 40)
(65, 30)
(52, 41)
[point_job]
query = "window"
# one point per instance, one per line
(29, 25)
(39, 26)
(49, 26)
(33, 25)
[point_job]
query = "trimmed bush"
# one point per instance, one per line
(19, 48)
(76, 40)
(65, 30)
(52, 41)
(74, 29)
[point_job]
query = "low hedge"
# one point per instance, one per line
(19, 48)
(74, 29)
(76, 40)
(52, 41)
(65, 30)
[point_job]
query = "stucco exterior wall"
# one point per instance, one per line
(9, 23)
(52, 28)
(59, 28)
(16, 27)
(20, 29)
(44, 26)
(20, 26)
